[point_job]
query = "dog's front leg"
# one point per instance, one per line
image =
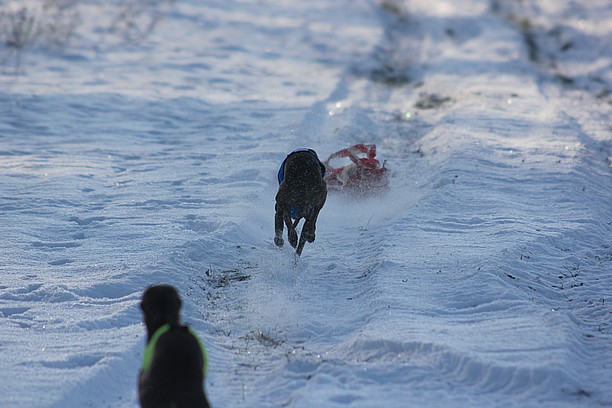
(308, 232)
(310, 226)
(291, 232)
(278, 227)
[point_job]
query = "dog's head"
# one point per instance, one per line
(160, 305)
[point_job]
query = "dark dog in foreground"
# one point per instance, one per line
(301, 194)
(174, 362)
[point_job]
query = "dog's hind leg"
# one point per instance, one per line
(300, 246)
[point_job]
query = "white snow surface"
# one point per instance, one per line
(483, 278)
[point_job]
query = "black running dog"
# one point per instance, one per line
(301, 194)
(174, 362)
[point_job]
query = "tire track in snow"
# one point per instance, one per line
(278, 321)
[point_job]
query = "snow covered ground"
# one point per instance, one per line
(139, 144)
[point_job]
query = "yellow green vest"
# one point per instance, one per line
(147, 357)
